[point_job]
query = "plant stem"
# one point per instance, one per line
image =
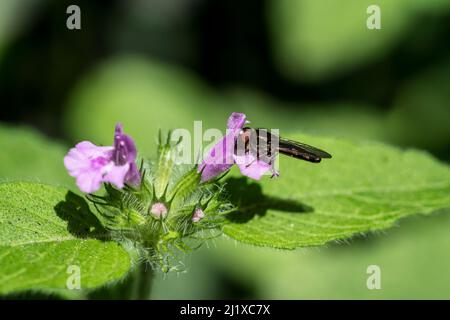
(143, 281)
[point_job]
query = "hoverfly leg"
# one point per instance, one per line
(275, 173)
(248, 165)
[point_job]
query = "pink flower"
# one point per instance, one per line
(159, 210)
(92, 165)
(223, 155)
(198, 215)
(252, 167)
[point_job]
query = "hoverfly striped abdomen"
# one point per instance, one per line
(259, 142)
(266, 145)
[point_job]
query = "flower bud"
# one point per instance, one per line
(158, 210)
(198, 215)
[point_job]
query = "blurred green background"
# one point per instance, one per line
(297, 65)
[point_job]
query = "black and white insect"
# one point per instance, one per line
(266, 145)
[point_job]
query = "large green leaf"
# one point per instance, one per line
(413, 259)
(365, 187)
(42, 234)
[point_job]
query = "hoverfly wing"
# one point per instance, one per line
(302, 151)
(265, 145)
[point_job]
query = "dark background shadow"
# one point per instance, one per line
(81, 221)
(251, 201)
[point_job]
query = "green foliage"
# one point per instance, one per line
(153, 96)
(365, 187)
(414, 260)
(421, 114)
(37, 245)
(27, 155)
(13, 14)
(313, 40)
(343, 120)
(342, 81)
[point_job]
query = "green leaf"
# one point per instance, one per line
(27, 155)
(413, 261)
(40, 239)
(364, 187)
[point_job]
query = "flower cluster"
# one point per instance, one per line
(160, 208)
(93, 165)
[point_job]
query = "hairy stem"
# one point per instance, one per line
(143, 281)
(136, 286)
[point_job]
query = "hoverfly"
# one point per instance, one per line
(266, 145)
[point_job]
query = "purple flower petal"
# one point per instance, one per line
(124, 147)
(220, 157)
(251, 167)
(116, 175)
(133, 176)
(236, 122)
(125, 152)
(88, 163)
(79, 158)
(91, 165)
(211, 171)
(89, 182)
